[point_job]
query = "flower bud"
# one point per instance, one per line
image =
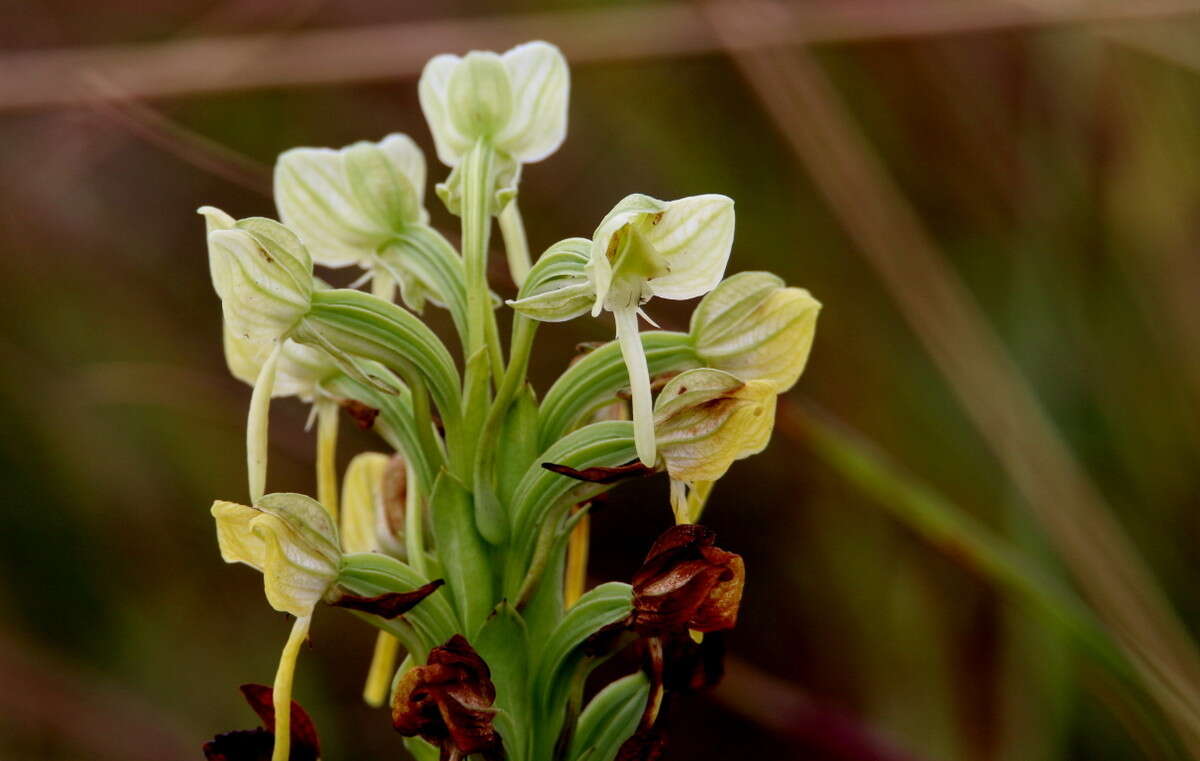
(263, 274)
(705, 419)
(517, 101)
(290, 539)
(752, 326)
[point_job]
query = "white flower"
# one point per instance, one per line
(517, 100)
(645, 248)
(353, 206)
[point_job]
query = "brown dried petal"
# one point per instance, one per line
(258, 744)
(391, 604)
(599, 474)
(687, 583)
(362, 415)
(689, 666)
(448, 702)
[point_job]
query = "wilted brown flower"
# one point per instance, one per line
(687, 583)
(448, 702)
(257, 744)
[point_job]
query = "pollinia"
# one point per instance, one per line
(465, 546)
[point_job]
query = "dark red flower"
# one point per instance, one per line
(687, 583)
(257, 744)
(448, 702)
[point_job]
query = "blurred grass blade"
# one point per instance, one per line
(960, 536)
(999, 401)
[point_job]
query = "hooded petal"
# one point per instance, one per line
(387, 180)
(263, 275)
(695, 236)
(314, 198)
(540, 89)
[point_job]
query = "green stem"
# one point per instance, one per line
(489, 513)
(516, 245)
(476, 226)
(414, 520)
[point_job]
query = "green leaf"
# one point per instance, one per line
(561, 665)
(595, 380)
(468, 573)
(516, 449)
(363, 325)
(610, 719)
(426, 255)
(557, 288)
(597, 608)
(605, 444)
(420, 749)
(503, 643)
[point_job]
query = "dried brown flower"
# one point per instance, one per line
(448, 702)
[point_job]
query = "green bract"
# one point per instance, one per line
(458, 547)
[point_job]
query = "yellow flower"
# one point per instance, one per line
(290, 539)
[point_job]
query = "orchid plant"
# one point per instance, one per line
(465, 546)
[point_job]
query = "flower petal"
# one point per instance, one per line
(540, 89)
(451, 144)
(314, 198)
(695, 236)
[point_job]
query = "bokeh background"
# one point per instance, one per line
(975, 534)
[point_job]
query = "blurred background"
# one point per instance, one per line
(975, 533)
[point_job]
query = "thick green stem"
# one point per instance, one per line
(476, 228)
